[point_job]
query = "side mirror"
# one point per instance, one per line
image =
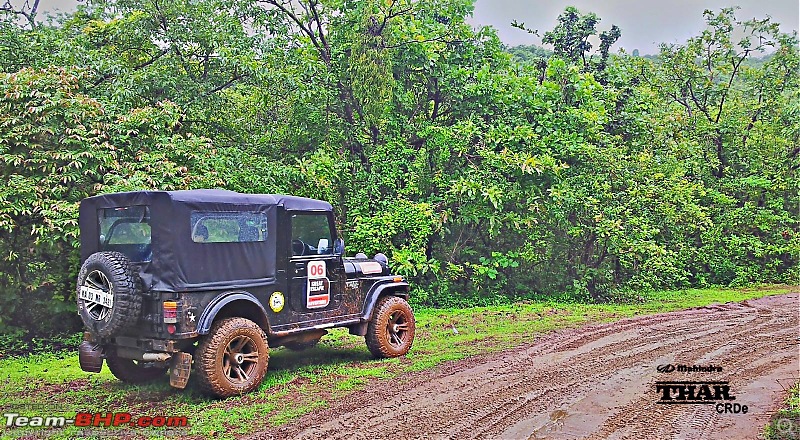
(338, 247)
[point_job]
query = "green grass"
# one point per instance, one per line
(300, 382)
(785, 424)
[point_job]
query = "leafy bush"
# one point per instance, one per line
(484, 177)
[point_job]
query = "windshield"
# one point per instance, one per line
(311, 234)
(126, 230)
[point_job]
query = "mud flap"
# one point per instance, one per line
(359, 329)
(90, 356)
(180, 369)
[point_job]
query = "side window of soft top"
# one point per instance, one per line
(311, 234)
(228, 227)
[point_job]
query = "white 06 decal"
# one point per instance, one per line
(316, 269)
(318, 286)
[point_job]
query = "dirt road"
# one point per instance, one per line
(596, 382)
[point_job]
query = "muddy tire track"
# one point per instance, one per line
(597, 382)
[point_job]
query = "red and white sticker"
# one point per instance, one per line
(318, 286)
(370, 267)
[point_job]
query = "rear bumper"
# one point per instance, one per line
(91, 352)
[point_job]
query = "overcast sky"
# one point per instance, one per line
(644, 23)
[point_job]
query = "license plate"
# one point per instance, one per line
(91, 294)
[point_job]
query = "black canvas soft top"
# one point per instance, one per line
(178, 263)
(290, 203)
(206, 196)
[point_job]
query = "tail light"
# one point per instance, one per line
(170, 312)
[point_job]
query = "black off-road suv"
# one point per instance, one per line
(214, 278)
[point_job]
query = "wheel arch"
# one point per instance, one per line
(379, 290)
(233, 304)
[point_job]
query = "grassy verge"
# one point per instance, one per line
(785, 424)
(297, 383)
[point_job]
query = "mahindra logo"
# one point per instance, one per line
(669, 368)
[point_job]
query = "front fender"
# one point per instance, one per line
(218, 303)
(394, 288)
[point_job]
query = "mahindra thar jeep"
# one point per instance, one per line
(213, 278)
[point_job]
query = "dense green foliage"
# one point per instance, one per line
(484, 176)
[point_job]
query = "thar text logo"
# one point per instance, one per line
(699, 393)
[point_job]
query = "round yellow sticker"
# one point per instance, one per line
(276, 302)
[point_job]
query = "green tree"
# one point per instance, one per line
(570, 38)
(735, 121)
(484, 173)
(57, 146)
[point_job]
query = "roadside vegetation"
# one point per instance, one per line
(486, 174)
(298, 383)
(785, 424)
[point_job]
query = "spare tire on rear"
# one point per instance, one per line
(108, 297)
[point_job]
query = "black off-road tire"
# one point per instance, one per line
(391, 331)
(131, 371)
(302, 346)
(109, 270)
(218, 365)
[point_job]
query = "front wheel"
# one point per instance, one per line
(391, 331)
(232, 359)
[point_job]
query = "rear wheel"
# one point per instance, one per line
(391, 331)
(131, 371)
(232, 359)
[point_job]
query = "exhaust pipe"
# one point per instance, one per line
(156, 357)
